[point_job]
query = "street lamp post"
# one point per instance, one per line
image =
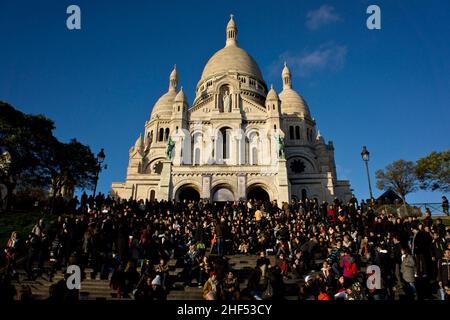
(100, 159)
(365, 156)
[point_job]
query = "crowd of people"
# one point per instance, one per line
(321, 248)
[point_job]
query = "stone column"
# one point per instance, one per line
(206, 187)
(242, 186)
(239, 152)
(330, 186)
(177, 156)
(164, 187)
(283, 182)
(232, 160)
(218, 150)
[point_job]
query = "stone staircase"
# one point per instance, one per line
(97, 289)
(91, 289)
(242, 265)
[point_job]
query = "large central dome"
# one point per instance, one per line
(231, 58)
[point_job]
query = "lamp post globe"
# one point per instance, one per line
(365, 154)
(101, 155)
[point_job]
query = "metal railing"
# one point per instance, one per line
(411, 209)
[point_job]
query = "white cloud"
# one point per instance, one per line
(326, 14)
(328, 56)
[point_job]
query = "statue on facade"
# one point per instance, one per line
(169, 148)
(226, 102)
(280, 141)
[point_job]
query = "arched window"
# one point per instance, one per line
(161, 134)
(167, 134)
(254, 145)
(309, 134)
(196, 148)
(226, 145)
(150, 137)
(291, 132)
(176, 130)
(247, 150)
(152, 195)
(275, 127)
(297, 132)
(178, 108)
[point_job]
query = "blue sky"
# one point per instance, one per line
(388, 89)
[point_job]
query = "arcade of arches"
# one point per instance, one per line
(221, 194)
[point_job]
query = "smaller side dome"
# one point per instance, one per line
(293, 103)
(180, 97)
(272, 95)
(164, 104)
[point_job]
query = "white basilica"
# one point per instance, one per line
(238, 140)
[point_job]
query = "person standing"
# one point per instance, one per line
(191, 265)
(204, 270)
(396, 257)
(408, 270)
(219, 237)
(421, 250)
(445, 205)
(349, 267)
(33, 243)
(11, 251)
(444, 271)
(254, 284)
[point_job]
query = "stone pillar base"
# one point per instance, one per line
(164, 187)
(283, 183)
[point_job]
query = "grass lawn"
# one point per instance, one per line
(445, 220)
(22, 222)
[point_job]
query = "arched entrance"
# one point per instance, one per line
(304, 194)
(223, 195)
(257, 193)
(187, 192)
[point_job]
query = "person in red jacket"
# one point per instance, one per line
(349, 267)
(331, 215)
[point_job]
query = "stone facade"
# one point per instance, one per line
(239, 139)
